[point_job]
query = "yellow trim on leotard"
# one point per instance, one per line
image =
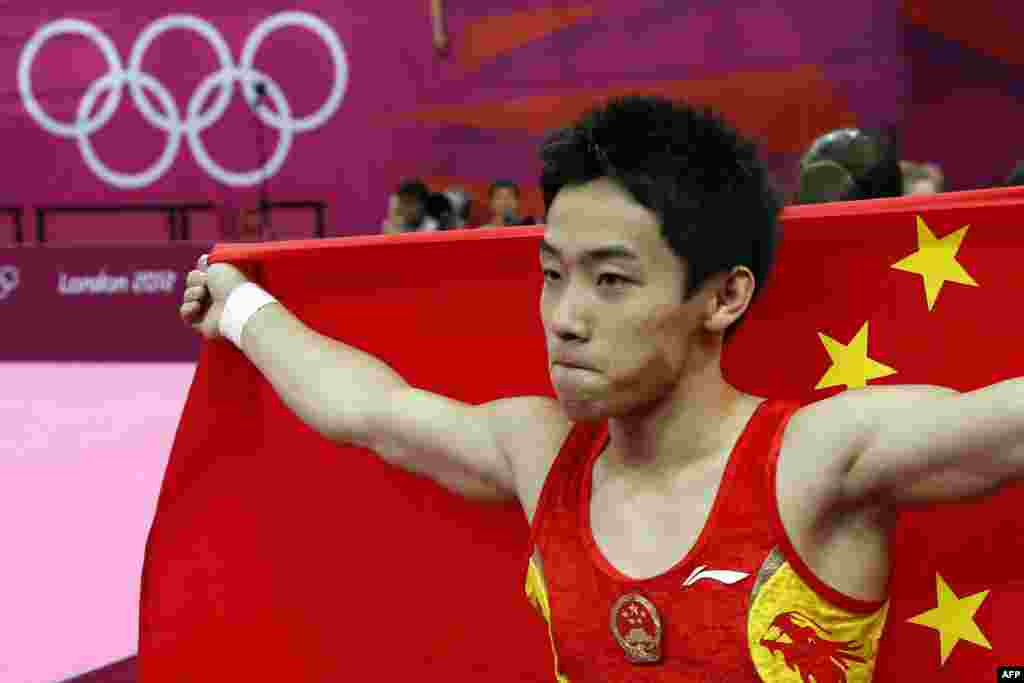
(537, 593)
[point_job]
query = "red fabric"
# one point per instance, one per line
(275, 555)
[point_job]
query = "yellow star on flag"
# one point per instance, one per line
(935, 261)
(850, 363)
(953, 618)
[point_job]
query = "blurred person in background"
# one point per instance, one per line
(245, 224)
(849, 164)
(407, 209)
(392, 223)
(461, 203)
(921, 178)
(504, 200)
(1016, 176)
(439, 208)
(259, 220)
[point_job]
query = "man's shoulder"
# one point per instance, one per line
(530, 431)
(524, 421)
(853, 410)
(828, 433)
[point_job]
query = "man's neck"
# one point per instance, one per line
(701, 417)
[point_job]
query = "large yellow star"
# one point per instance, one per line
(953, 618)
(850, 363)
(935, 261)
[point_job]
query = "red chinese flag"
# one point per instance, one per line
(276, 555)
(910, 291)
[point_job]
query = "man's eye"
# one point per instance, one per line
(548, 274)
(618, 278)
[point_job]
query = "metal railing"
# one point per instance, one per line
(178, 215)
(179, 224)
(16, 213)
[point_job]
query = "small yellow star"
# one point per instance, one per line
(850, 363)
(935, 261)
(953, 618)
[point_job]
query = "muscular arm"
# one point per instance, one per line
(349, 396)
(924, 444)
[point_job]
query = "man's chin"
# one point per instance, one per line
(582, 411)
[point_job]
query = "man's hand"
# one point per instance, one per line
(206, 290)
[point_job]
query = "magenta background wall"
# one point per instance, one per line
(405, 110)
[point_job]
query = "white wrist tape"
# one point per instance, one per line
(242, 303)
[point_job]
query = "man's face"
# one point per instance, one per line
(921, 186)
(503, 201)
(624, 318)
(410, 209)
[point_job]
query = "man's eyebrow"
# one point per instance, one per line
(610, 251)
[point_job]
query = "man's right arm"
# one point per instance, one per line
(349, 396)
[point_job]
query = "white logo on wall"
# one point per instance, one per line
(139, 282)
(170, 120)
(9, 279)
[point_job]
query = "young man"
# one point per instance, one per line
(682, 529)
(503, 197)
(407, 209)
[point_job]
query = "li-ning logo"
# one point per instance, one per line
(726, 576)
(170, 120)
(9, 280)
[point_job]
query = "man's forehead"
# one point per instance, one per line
(590, 247)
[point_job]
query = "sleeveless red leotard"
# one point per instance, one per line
(741, 607)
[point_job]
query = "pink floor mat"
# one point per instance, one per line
(83, 449)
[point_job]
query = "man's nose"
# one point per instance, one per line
(568, 318)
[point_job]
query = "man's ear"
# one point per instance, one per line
(729, 296)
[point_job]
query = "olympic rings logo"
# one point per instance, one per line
(170, 120)
(9, 280)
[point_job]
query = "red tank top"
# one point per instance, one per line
(740, 607)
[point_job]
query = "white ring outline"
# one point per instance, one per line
(166, 159)
(196, 122)
(329, 38)
(150, 34)
(202, 157)
(28, 55)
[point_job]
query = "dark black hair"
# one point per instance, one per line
(1016, 176)
(499, 184)
(414, 188)
(439, 207)
(702, 179)
(871, 157)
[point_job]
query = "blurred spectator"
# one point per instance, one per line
(439, 207)
(255, 226)
(504, 200)
(921, 178)
(849, 164)
(461, 205)
(823, 181)
(393, 221)
(1016, 176)
(239, 223)
(407, 209)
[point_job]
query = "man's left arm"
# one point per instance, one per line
(926, 444)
